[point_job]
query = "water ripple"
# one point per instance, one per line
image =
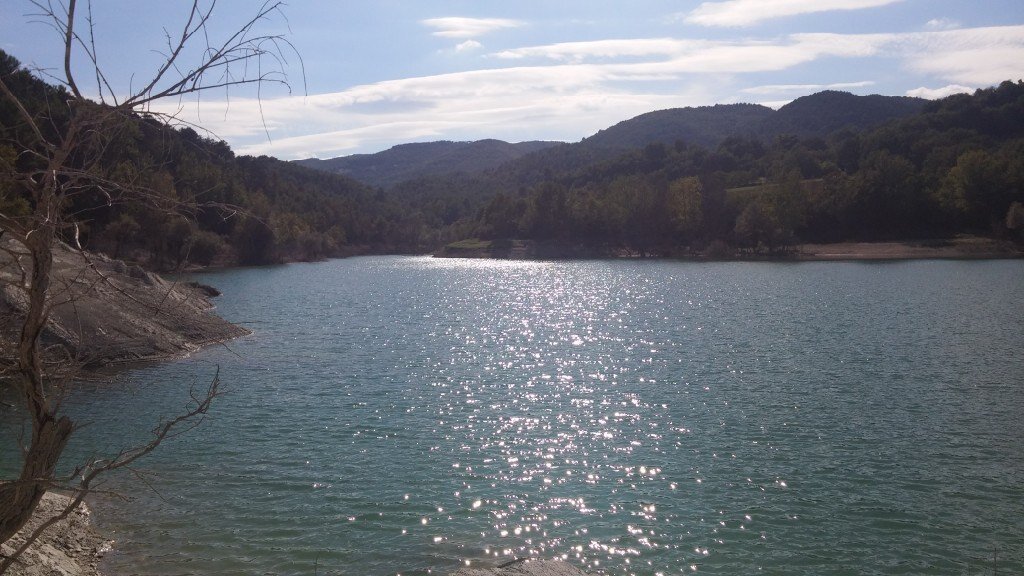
(412, 415)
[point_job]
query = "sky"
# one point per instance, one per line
(365, 75)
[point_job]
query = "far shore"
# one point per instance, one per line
(959, 248)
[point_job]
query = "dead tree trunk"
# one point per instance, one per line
(57, 154)
(18, 499)
(50, 432)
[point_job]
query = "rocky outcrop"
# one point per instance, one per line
(71, 547)
(108, 312)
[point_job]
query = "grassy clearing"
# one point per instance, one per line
(471, 244)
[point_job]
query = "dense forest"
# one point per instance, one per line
(411, 161)
(203, 204)
(828, 169)
(935, 170)
(957, 166)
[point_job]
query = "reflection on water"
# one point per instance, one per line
(411, 415)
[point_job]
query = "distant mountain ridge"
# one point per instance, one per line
(817, 115)
(704, 126)
(820, 114)
(409, 161)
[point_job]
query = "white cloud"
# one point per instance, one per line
(941, 24)
(668, 58)
(459, 27)
(674, 56)
(737, 13)
(553, 102)
(468, 46)
(971, 56)
(579, 51)
(570, 90)
(804, 88)
(936, 93)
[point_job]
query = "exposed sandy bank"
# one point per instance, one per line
(112, 312)
(964, 247)
(69, 548)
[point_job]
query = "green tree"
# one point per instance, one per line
(255, 242)
(979, 188)
(757, 227)
(685, 208)
(501, 217)
(1015, 220)
(547, 212)
(206, 247)
(122, 230)
(889, 198)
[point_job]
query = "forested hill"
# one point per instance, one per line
(703, 126)
(817, 115)
(410, 161)
(821, 114)
(202, 204)
(956, 165)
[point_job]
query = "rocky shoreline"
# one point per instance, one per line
(107, 313)
(71, 547)
(110, 312)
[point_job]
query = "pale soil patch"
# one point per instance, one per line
(966, 247)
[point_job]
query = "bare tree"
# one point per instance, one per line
(56, 160)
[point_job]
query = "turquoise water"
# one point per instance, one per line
(408, 415)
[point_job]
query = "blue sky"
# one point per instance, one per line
(383, 72)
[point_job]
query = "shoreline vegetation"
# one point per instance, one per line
(118, 314)
(716, 182)
(962, 247)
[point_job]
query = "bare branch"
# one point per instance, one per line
(69, 41)
(188, 30)
(59, 172)
(239, 47)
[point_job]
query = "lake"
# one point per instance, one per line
(410, 415)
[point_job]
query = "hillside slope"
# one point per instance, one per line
(817, 115)
(411, 161)
(820, 114)
(704, 126)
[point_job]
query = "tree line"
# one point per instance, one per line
(958, 166)
(204, 205)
